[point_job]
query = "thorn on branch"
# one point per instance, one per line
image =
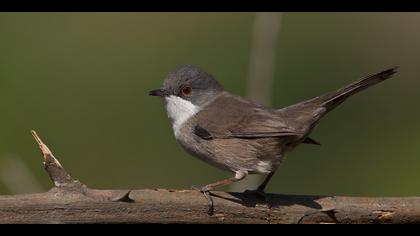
(123, 198)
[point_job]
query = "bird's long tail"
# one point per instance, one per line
(331, 100)
(305, 115)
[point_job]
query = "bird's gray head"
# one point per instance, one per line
(190, 83)
(186, 90)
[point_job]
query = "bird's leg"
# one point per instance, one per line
(260, 190)
(265, 182)
(207, 188)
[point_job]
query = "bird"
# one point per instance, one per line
(238, 135)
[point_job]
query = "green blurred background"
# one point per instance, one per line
(81, 81)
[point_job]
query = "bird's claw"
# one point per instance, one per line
(200, 188)
(260, 194)
(206, 192)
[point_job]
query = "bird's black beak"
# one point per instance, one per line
(159, 92)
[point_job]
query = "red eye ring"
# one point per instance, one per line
(186, 91)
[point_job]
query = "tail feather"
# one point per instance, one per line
(305, 115)
(331, 100)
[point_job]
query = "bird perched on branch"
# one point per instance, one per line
(238, 135)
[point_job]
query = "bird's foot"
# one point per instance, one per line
(206, 192)
(261, 195)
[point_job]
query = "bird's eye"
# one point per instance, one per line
(186, 91)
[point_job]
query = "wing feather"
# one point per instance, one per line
(230, 116)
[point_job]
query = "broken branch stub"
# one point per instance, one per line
(57, 173)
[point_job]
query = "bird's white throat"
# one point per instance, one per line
(179, 111)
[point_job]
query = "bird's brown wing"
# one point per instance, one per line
(229, 116)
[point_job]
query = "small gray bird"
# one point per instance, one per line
(238, 135)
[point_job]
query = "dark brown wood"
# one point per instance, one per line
(72, 202)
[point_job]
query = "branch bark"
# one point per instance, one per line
(70, 201)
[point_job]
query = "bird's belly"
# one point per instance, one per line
(255, 156)
(202, 151)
